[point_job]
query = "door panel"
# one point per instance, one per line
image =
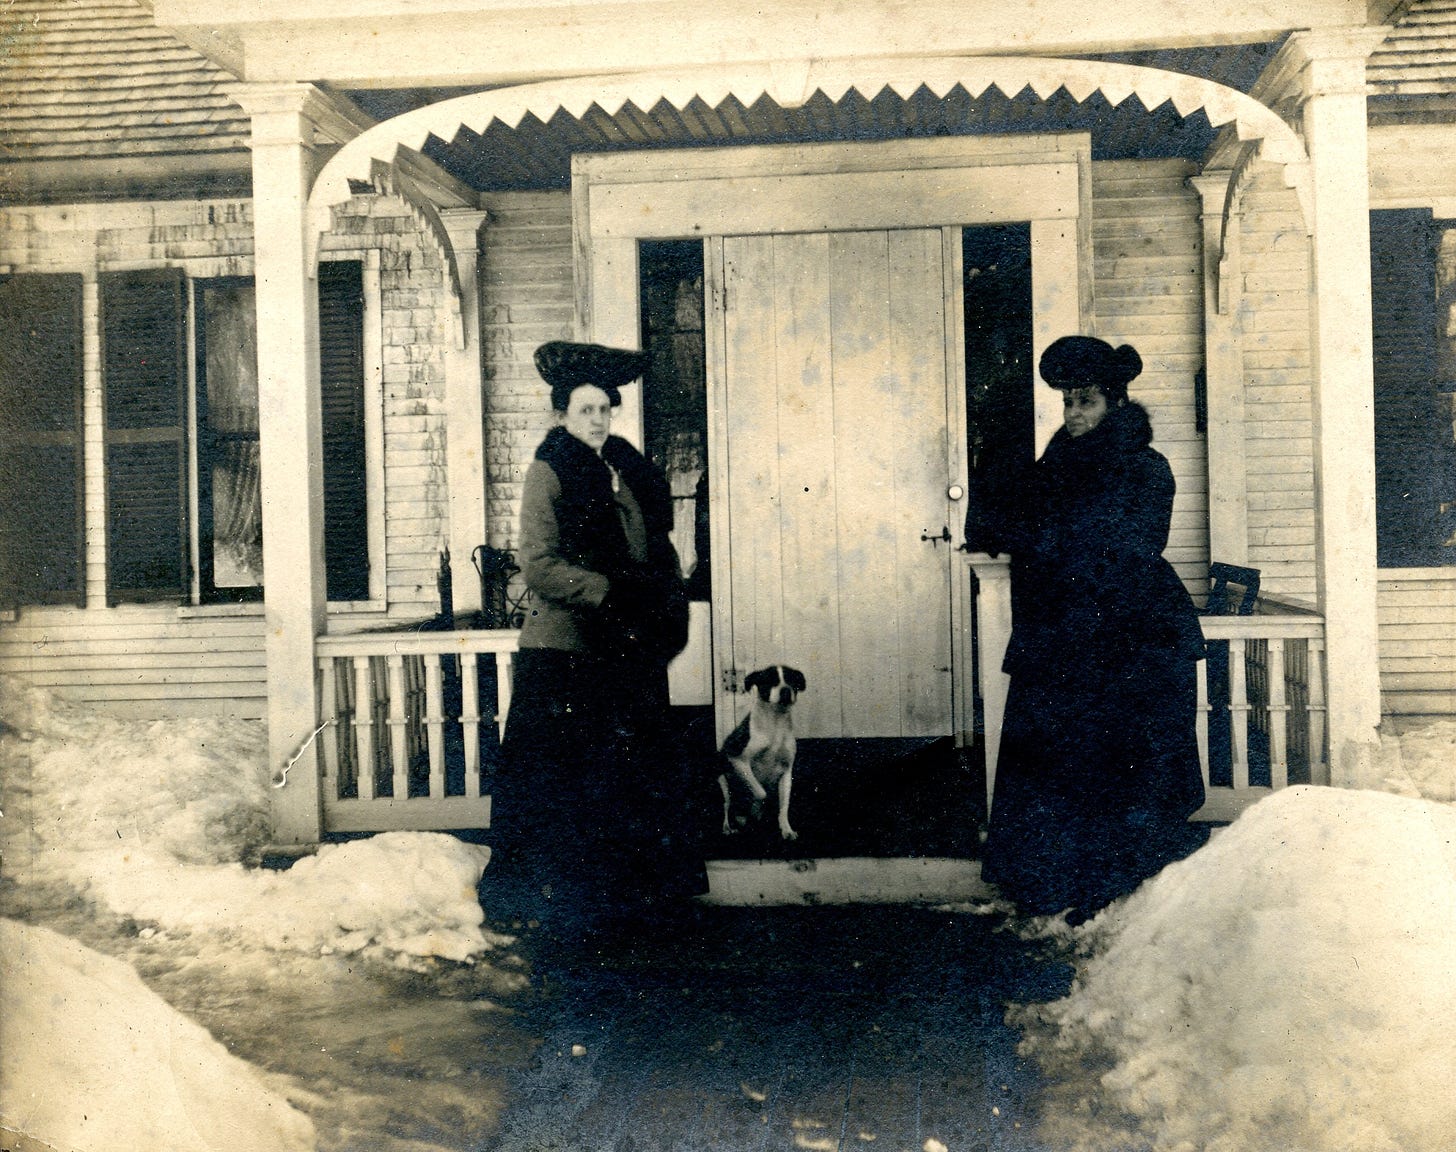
(836, 466)
(809, 513)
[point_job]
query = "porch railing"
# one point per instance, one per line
(412, 726)
(1261, 699)
(1261, 694)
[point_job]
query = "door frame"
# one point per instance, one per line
(619, 199)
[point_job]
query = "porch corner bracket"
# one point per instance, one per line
(389, 180)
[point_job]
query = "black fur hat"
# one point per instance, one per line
(566, 365)
(1087, 362)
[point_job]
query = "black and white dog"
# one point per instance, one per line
(760, 751)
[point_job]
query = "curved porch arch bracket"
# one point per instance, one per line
(791, 83)
(1296, 176)
(390, 180)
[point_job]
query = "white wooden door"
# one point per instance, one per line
(832, 464)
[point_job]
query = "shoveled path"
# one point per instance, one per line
(876, 1028)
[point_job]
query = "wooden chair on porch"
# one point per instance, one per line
(1220, 576)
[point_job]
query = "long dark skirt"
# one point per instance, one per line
(592, 809)
(1095, 781)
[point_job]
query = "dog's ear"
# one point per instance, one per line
(795, 679)
(753, 680)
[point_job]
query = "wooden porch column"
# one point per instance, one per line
(290, 444)
(464, 412)
(1327, 70)
(1223, 365)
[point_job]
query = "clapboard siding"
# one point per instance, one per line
(527, 298)
(1274, 322)
(144, 661)
(1147, 269)
(1418, 641)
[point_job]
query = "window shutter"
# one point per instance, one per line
(341, 380)
(1403, 317)
(143, 348)
(42, 490)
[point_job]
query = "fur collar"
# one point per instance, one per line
(591, 532)
(1123, 430)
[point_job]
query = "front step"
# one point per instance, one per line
(846, 880)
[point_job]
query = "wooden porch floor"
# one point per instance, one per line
(871, 1027)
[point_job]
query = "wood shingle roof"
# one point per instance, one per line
(97, 80)
(1418, 58)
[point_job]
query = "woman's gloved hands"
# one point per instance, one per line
(646, 613)
(630, 598)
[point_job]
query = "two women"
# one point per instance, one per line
(591, 800)
(1098, 765)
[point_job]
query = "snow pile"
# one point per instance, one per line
(1420, 762)
(1292, 986)
(93, 1060)
(151, 820)
(398, 894)
(76, 781)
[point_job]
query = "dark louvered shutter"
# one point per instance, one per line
(146, 413)
(42, 539)
(1403, 315)
(341, 378)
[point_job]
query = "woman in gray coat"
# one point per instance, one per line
(591, 805)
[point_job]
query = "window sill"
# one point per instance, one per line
(335, 608)
(204, 611)
(1436, 573)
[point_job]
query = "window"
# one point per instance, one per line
(1000, 403)
(229, 503)
(42, 555)
(229, 506)
(1415, 458)
(160, 544)
(674, 395)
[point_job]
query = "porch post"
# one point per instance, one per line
(1329, 87)
(464, 413)
(1223, 367)
(290, 445)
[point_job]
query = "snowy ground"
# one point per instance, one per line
(359, 979)
(1291, 986)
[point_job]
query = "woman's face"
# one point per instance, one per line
(1082, 410)
(588, 415)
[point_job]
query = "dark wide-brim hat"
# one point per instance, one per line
(1087, 362)
(567, 365)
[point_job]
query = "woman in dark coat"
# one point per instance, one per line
(589, 805)
(1098, 766)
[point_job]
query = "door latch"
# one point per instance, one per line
(935, 540)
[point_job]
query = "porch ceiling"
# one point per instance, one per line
(537, 155)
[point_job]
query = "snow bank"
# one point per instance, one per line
(1291, 986)
(1420, 762)
(95, 1062)
(396, 895)
(151, 820)
(76, 781)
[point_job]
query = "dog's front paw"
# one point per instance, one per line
(788, 833)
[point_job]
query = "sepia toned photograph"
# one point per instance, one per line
(611, 576)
